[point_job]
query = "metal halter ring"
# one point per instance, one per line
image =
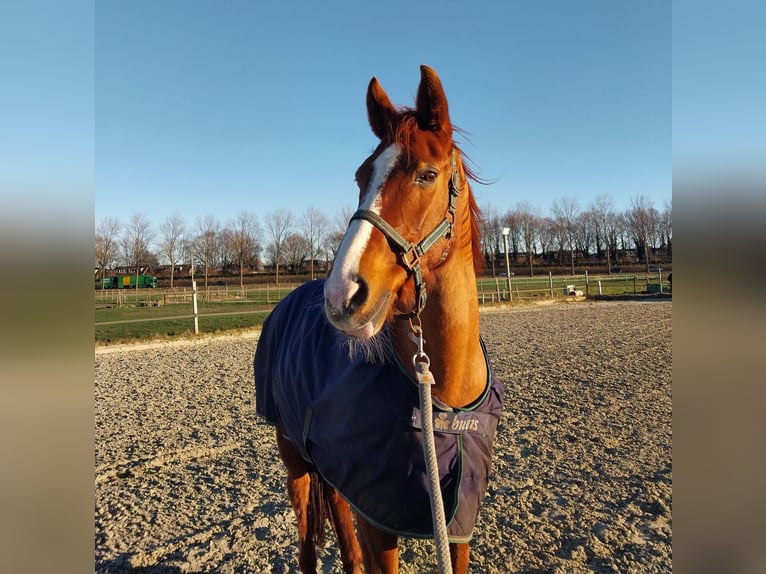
(420, 360)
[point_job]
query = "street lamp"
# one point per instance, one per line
(506, 231)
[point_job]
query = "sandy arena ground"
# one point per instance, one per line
(188, 480)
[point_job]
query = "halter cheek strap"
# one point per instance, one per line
(409, 253)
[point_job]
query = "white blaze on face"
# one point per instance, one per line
(341, 284)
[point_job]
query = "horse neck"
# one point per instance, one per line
(450, 323)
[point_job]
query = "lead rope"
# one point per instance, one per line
(421, 362)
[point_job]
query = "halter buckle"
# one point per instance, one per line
(410, 257)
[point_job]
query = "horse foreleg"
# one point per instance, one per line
(459, 553)
(298, 490)
(380, 549)
(343, 523)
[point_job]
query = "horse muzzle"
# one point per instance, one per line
(349, 311)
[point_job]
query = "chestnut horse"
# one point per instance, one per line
(335, 363)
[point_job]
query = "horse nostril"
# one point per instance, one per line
(359, 297)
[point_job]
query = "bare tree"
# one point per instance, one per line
(565, 213)
(666, 226)
(512, 221)
(107, 244)
(491, 230)
(172, 230)
(337, 230)
(529, 224)
(189, 250)
(225, 251)
(296, 249)
(616, 236)
(604, 222)
(641, 218)
(332, 244)
(206, 241)
(622, 234)
(315, 226)
(136, 239)
(584, 233)
(547, 236)
(244, 239)
(278, 226)
(558, 238)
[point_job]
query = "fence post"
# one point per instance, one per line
(550, 282)
(587, 291)
(194, 306)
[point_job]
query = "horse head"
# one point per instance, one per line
(407, 224)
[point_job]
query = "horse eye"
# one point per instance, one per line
(428, 176)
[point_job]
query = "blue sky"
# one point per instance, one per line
(214, 107)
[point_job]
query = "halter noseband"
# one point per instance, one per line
(409, 253)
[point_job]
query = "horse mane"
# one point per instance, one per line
(404, 125)
(475, 216)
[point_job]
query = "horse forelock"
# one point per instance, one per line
(414, 141)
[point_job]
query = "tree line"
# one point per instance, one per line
(294, 242)
(280, 238)
(568, 234)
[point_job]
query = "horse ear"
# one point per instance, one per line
(380, 110)
(431, 103)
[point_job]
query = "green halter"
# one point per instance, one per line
(409, 253)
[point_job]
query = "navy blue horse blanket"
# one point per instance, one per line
(358, 422)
